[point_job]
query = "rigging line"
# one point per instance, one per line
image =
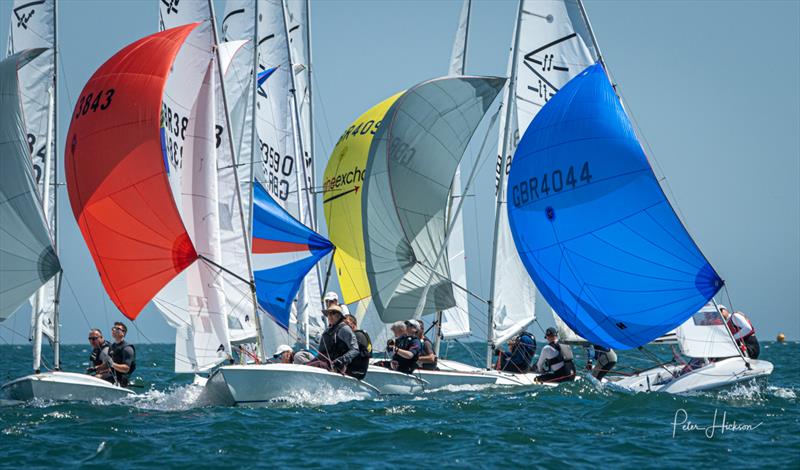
(77, 302)
(324, 113)
(658, 361)
(14, 332)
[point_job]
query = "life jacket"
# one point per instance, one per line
(118, 357)
(427, 349)
(358, 366)
(409, 343)
(94, 358)
(735, 329)
(330, 347)
(563, 355)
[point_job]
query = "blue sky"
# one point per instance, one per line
(712, 86)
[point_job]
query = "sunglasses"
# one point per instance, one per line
(118, 329)
(92, 338)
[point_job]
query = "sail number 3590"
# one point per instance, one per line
(93, 102)
(549, 183)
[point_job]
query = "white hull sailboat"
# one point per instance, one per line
(263, 384)
(63, 386)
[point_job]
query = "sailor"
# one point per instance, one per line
(520, 354)
(407, 347)
(100, 350)
(742, 331)
(338, 345)
(358, 366)
(605, 357)
(332, 298)
(122, 361)
(555, 361)
(284, 354)
(427, 357)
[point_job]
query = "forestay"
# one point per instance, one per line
(27, 256)
(33, 26)
(704, 335)
(409, 173)
(593, 227)
(551, 49)
(116, 174)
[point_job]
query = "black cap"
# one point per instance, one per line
(550, 332)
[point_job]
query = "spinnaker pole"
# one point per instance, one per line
(501, 182)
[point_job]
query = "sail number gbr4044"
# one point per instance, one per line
(556, 181)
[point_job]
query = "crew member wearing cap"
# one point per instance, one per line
(556, 360)
(427, 356)
(338, 345)
(332, 298)
(286, 355)
(742, 331)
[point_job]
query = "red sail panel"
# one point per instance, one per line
(116, 178)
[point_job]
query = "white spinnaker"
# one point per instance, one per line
(207, 310)
(309, 300)
(455, 320)
(27, 256)
(33, 26)
(552, 50)
(704, 335)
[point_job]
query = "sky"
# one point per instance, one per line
(714, 88)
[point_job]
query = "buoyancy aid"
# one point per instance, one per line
(330, 348)
(735, 329)
(358, 366)
(563, 355)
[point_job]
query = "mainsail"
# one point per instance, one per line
(27, 257)
(549, 48)
(117, 178)
(33, 26)
(704, 335)
(593, 227)
(406, 186)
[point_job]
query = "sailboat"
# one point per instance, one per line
(597, 234)
(27, 256)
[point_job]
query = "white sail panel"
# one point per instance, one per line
(33, 26)
(704, 335)
(552, 50)
(458, 58)
(27, 256)
(209, 322)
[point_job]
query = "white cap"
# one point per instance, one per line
(282, 349)
(720, 307)
(331, 296)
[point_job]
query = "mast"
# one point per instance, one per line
(299, 151)
(499, 205)
(591, 34)
(245, 234)
(57, 297)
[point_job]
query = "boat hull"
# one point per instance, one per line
(718, 374)
(63, 386)
(263, 384)
(391, 382)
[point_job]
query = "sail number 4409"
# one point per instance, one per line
(549, 183)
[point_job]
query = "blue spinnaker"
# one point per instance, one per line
(284, 251)
(593, 227)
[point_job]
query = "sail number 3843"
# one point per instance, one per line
(92, 102)
(556, 181)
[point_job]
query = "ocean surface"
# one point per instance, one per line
(574, 424)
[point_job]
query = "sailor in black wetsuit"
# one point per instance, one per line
(123, 357)
(358, 366)
(556, 360)
(100, 351)
(338, 345)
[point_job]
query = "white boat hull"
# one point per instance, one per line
(714, 375)
(63, 386)
(391, 382)
(456, 374)
(262, 384)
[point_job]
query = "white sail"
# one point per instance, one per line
(455, 320)
(551, 49)
(33, 26)
(27, 257)
(704, 335)
(209, 322)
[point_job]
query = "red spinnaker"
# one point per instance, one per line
(116, 178)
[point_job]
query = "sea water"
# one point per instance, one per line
(167, 425)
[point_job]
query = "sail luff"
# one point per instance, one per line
(458, 58)
(512, 82)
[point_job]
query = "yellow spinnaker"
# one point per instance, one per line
(342, 183)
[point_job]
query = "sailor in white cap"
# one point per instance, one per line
(332, 298)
